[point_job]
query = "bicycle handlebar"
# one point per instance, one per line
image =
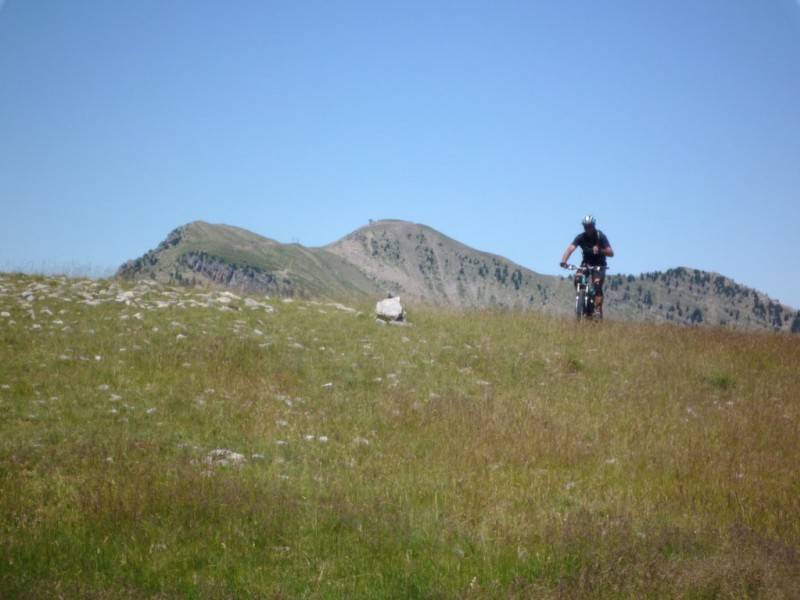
(570, 267)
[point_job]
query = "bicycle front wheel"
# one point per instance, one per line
(580, 303)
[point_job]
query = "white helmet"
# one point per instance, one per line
(588, 220)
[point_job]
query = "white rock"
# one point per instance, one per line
(390, 309)
(223, 457)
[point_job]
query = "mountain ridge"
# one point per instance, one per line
(425, 266)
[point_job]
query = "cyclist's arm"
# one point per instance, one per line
(568, 253)
(605, 246)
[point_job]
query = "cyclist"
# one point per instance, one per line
(596, 249)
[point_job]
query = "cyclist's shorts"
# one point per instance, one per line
(598, 277)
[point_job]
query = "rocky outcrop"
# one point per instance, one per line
(240, 278)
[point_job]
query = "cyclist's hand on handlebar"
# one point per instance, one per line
(563, 265)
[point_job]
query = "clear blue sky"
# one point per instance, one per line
(499, 123)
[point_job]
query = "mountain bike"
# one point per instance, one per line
(584, 290)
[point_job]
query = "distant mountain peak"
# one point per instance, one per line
(425, 266)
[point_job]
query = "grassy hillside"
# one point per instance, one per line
(160, 442)
(203, 255)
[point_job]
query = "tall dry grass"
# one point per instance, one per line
(468, 455)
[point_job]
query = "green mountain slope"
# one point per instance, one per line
(201, 254)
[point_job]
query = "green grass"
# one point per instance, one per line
(468, 455)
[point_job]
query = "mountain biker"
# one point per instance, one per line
(596, 248)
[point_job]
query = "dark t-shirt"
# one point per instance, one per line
(586, 241)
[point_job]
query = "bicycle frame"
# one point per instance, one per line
(584, 291)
